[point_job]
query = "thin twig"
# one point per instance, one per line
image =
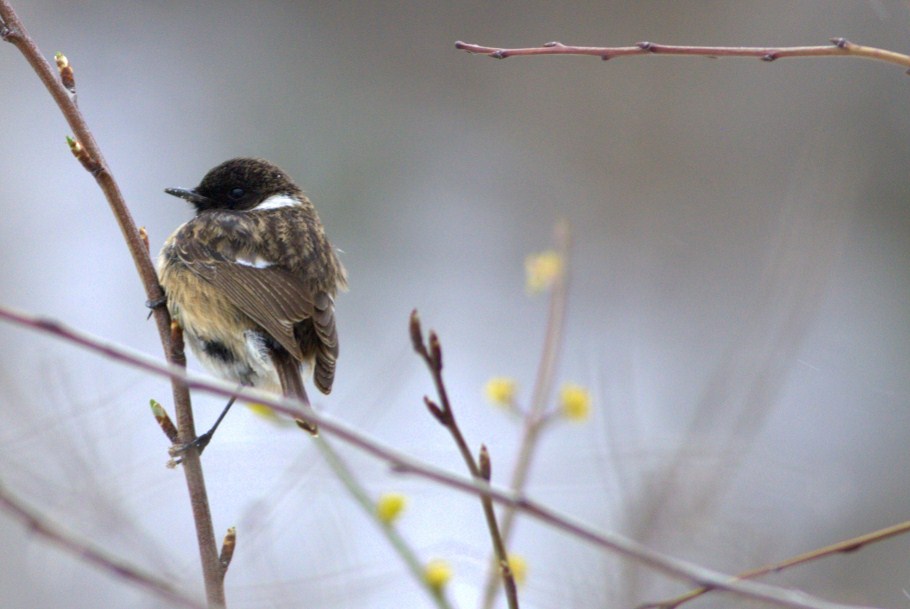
(393, 536)
(536, 417)
(13, 31)
(116, 567)
(839, 47)
(431, 353)
(613, 542)
(841, 547)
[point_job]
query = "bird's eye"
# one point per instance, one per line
(236, 193)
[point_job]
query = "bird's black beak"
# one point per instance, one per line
(190, 195)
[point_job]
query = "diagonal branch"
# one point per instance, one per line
(94, 556)
(343, 471)
(613, 542)
(12, 30)
(841, 547)
(839, 47)
(431, 353)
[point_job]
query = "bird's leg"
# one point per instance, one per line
(155, 304)
(203, 440)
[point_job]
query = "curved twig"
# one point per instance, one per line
(12, 30)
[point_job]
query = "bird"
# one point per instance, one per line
(252, 279)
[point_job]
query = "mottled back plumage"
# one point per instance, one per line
(252, 278)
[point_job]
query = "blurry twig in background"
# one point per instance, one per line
(839, 47)
(431, 353)
(613, 542)
(363, 499)
(535, 416)
(85, 551)
(61, 85)
(841, 547)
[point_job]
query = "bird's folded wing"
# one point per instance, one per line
(324, 323)
(273, 297)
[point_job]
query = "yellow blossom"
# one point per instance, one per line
(500, 390)
(437, 574)
(262, 410)
(390, 506)
(519, 567)
(541, 270)
(574, 402)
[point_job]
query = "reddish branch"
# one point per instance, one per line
(88, 153)
(628, 548)
(839, 47)
(431, 353)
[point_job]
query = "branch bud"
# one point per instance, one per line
(227, 549)
(164, 421)
(436, 411)
(67, 77)
(486, 468)
(435, 351)
(417, 334)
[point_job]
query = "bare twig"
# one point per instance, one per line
(363, 499)
(613, 542)
(90, 554)
(13, 31)
(536, 416)
(431, 353)
(848, 545)
(839, 47)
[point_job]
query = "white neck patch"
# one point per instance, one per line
(277, 202)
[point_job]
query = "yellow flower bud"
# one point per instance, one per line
(500, 390)
(437, 574)
(390, 506)
(574, 402)
(519, 567)
(541, 270)
(261, 410)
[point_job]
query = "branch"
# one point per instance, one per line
(839, 47)
(842, 547)
(613, 542)
(87, 151)
(535, 418)
(114, 566)
(395, 539)
(431, 354)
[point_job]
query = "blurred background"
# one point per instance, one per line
(738, 299)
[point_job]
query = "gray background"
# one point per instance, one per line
(738, 298)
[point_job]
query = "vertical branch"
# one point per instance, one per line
(431, 353)
(13, 31)
(535, 418)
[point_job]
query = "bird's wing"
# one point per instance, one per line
(327, 352)
(273, 297)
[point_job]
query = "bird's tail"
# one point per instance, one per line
(288, 369)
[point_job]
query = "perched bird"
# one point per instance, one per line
(251, 279)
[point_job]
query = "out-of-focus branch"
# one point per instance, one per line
(535, 417)
(431, 353)
(839, 47)
(613, 542)
(88, 553)
(89, 155)
(841, 547)
(398, 543)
